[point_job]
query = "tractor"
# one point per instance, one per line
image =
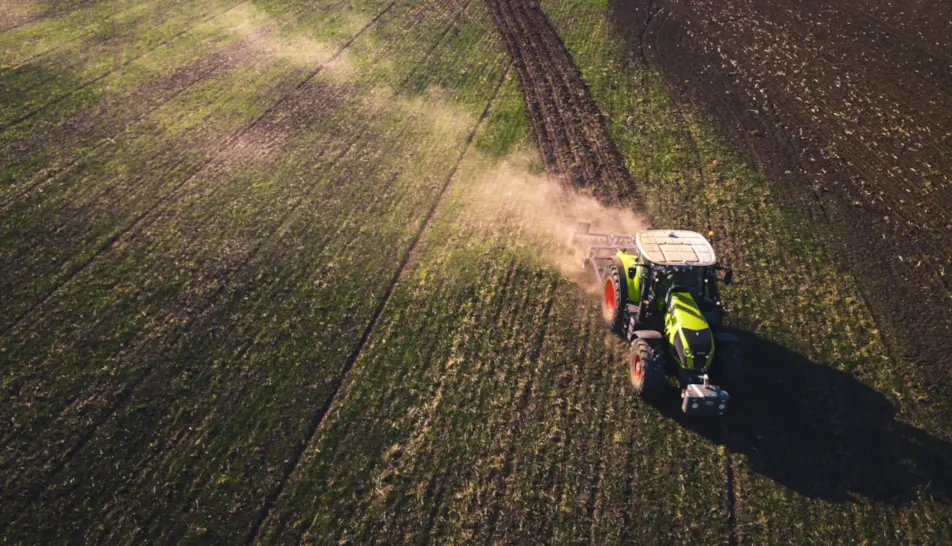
(660, 294)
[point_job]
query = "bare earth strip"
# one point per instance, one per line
(844, 106)
(566, 124)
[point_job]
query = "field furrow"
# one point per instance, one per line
(147, 374)
(566, 127)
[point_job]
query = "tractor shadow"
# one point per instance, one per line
(821, 432)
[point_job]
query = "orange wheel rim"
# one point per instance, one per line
(637, 370)
(608, 305)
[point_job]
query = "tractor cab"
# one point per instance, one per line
(676, 262)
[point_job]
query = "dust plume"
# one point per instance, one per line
(17, 12)
(264, 37)
(543, 213)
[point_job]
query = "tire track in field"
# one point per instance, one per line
(29, 114)
(565, 121)
(322, 412)
(731, 519)
(173, 192)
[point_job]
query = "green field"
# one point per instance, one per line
(286, 270)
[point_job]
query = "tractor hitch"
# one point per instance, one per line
(704, 400)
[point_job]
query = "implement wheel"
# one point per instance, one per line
(645, 369)
(614, 298)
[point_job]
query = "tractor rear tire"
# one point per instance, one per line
(614, 299)
(645, 369)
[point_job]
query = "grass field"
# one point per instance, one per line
(292, 271)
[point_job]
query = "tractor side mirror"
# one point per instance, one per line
(729, 276)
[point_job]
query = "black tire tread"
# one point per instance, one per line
(653, 380)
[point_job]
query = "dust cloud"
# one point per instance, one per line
(542, 212)
(18, 12)
(264, 39)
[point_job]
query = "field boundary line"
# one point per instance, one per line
(319, 416)
(731, 519)
(116, 68)
(226, 143)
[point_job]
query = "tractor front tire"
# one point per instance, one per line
(645, 369)
(614, 299)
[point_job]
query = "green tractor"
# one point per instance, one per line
(659, 293)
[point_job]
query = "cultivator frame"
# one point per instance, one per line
(600, 256)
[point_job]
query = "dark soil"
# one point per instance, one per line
(565, 121)
(801, 412)
(844, 106)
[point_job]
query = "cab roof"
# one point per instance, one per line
(675, 247)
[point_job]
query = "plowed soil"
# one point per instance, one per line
(565, 120)
(842, 104)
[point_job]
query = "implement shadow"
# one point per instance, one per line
(821, 432)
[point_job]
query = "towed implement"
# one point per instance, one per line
(660, 293)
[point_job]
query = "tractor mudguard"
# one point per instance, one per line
(624, 262)
(626, 287)
(615, 297)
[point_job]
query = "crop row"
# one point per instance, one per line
(75, 213)
(193, 351)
